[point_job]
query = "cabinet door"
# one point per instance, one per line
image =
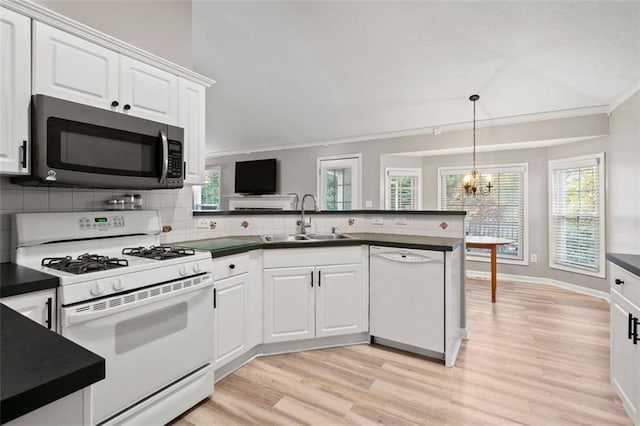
(15, 86)
(624, 354)
(340, 300)
(230, 318)
(68, 67)
(38, 306)
(148, 92)
(191, 117)
(289, 304)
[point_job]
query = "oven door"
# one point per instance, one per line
(149, 338)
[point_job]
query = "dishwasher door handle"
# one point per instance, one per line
(404, 257)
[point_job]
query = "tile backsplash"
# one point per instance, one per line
(175, 208)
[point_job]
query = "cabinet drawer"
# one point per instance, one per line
(230, 266)
(631, 287)
(284, 258)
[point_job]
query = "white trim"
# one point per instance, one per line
(624, 96)
(429, 130)
(502, 260)
(358, 204)
(564, 163)
(525, 279)
(43, 14)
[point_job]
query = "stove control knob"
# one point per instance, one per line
(96, 289)
(182, 270)
(117, 285)
(196, 268)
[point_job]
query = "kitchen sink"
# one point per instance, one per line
(329, 237)
(301, 238)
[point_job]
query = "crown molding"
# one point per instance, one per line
(436, 130)
(624, 96)
(64, 23)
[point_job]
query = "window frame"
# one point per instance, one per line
(196, 191)
(568, 163)
(493, 169)
(356, 190)
(402, 172)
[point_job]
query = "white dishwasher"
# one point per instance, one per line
(407, 298)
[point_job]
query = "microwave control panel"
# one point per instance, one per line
(175, 166)
(101, 222)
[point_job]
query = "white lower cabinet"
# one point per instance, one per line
(230, 318)
(625, 339)
(304, 302)
(39, 306)
(237, 306)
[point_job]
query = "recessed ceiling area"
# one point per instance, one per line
(295, 73)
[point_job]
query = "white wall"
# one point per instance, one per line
(623, 178)
(160, 27)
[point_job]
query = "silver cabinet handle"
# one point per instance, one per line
(165, 156)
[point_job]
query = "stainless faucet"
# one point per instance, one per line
(303, 225)
(297, 199)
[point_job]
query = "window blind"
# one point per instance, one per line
(500, 214)
(576, 217)
(402, 189)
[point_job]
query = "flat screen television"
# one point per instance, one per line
(256, 177)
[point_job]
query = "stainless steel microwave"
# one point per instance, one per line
(77, 145)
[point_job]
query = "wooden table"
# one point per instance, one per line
(489, 243)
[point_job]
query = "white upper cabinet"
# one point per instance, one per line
(191, 117)
(15, 95)
(148, 92)
(68, 67)
(71, 68)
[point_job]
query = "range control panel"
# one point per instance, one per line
(101, 222)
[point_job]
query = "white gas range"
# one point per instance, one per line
(146, 308)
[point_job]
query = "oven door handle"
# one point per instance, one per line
(71, 316)
(165, 156)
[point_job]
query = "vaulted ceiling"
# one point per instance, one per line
(294, 73)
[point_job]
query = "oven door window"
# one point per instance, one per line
(140, 331)
(89, 148)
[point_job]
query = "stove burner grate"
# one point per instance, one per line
(159, 252)
(85, 263)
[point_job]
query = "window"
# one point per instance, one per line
(576, 216)
(502, 213)
(207, 196)
(339, 183)
(402, 189)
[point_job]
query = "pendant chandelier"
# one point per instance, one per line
(473, 181)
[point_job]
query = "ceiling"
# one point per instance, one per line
(297, 73)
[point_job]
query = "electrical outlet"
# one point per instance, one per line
(400, 221)
(534, 258)
(368, 204)
(378, 221)
(203, 223)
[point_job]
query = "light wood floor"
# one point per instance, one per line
(539, 356)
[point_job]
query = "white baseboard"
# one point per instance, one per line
(537, 280)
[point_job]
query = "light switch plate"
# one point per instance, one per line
(368, 204)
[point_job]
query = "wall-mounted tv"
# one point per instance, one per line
(256, 177)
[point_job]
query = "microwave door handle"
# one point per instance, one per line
(165, 156)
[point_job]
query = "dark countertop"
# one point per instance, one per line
(38, 366)
(15, 279)
(630, 262)
(226, 246)
(328, 212)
